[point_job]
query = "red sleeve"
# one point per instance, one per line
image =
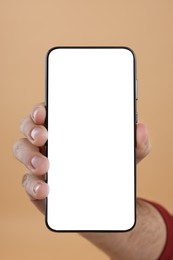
(167, 253)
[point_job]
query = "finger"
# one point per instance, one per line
(143, 147)
(36, 189)
(36, 134)
(30, 156)
(38, 114)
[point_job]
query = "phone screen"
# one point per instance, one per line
(91, 139)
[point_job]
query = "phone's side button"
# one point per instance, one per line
(136, 89)
(136, 117)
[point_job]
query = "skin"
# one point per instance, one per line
(145, 240)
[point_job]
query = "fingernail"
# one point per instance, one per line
(36, 187)
(35, 133)
(37, 161)
(34, 112)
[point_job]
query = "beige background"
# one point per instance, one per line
(28, 30)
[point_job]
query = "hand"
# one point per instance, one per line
(30, 152)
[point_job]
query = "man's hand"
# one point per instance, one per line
(30, 151)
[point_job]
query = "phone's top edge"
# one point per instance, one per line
(91, 47)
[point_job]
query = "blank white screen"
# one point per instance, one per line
(91, 139)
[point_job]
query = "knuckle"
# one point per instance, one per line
(147, 149)
(22, 151)
(22, 123)
(18, 147)
(25, 126)
(25, 179)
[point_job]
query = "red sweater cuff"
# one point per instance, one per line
(167, 253)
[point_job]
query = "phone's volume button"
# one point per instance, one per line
(136, 89)
(136, 117)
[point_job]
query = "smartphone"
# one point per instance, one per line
(91, 121)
